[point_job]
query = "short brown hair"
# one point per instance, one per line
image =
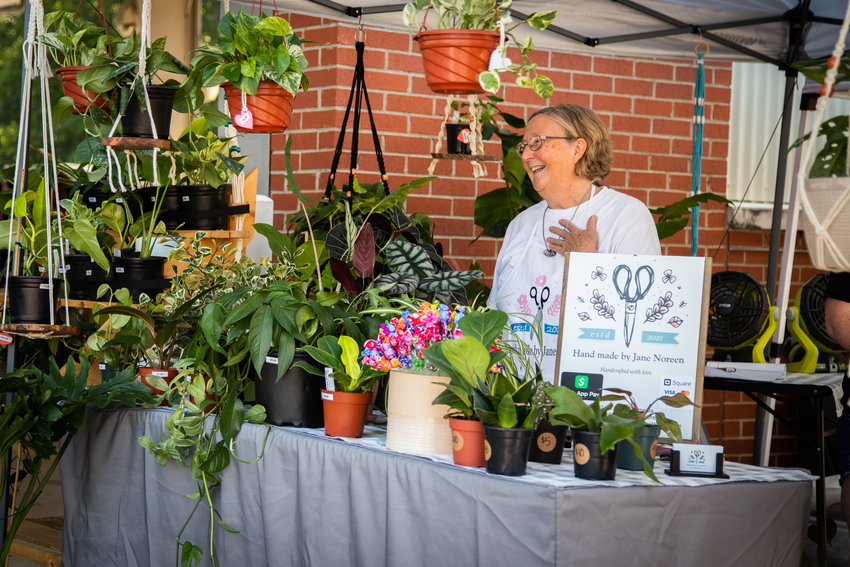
(581, 122)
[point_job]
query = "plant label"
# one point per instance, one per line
(43, 286)
(5, 339)
(119, 269)
(329, 379)
(244, 119)
(186, 198)
(271, 360)
(329, 396)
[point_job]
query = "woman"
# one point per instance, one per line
(566, 149)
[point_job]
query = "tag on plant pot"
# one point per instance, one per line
(464, 136)
(271, 360)
(5, 339)
(329, 396)
(244, 119)
(329, 380)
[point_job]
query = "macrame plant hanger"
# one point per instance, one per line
(826, 201)
(357, 95)
(697, 138)
(36, 65)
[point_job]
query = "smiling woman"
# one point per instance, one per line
(566, 150)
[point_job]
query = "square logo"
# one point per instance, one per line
(668, 382)
(586, 384)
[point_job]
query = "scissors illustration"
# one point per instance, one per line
(630, 296)
(544, 296)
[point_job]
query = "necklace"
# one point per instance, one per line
(549, 252)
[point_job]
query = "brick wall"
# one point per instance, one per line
(647, 104)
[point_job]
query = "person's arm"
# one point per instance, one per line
(837, 321)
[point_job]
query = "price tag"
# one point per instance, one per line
(116, 252)
(186, 198)
(88, 272)
(160, 373)
(328, 396)
(44, 286)
(92, 199)
(119, 200)
(119, 269)
(5, 339)
(101, 365)
(272, 360)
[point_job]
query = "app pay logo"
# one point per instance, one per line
(582, 381)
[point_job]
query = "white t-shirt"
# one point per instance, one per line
(527, 284)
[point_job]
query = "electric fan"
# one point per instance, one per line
(740, 324)
(809, 348)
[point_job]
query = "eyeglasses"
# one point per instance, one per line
(536, 142)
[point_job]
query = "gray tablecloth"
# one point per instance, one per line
(318, 501)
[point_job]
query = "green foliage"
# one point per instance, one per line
(571, 410)
(342, 356)
(249, 49)
(204, 158)
(30, 211)
(73, 41)
(85, 230)
(676, 216)
(484, 15)
(43, 411)
(831, 160)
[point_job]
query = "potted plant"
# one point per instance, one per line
(260, 62)
(87, 236)
(547, 445)
(457, 52)
(346, 405)
(119, 73)
(75, 44)
(206, 162)
(450, 357)
(29, 290)
(414, 424)
(648, 425)
(597, 432)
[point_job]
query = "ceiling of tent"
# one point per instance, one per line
(741, 30)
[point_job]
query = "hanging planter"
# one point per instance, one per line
(136, 123)
(84, 276)
(269, 111)
(345, 412)
(29, 299)
(83, 99)
(454, 59)
(467, 442)
(198, 198)
(457, 139)
(140, 275)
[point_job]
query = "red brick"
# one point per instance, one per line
(593, 83)
(614, 66)
(649, 70)
(572, 61)
(631, 124)
(674, 91)
(638, 179)
(671, 127)
(602, 102)
(653, 144)
(653, 107)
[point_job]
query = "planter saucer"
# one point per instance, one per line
(39, 330)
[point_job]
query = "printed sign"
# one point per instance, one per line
(634, 323)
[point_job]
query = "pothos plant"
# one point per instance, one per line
(485, 15)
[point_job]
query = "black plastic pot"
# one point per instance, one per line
(29, 299)
(96, 195)
(137, 124)
(197, 198)
(169, 210)
(590, 462)
(84, 276)
(506, 450)
(454, 137)
(547, 446)
(140, 275)
(647, 439)
(295, 399)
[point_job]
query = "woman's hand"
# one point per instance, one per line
(573, 239)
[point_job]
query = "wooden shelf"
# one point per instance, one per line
(217, 233)
(39, 330)
(467, 157)
(121, 143)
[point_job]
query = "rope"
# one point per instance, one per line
(823, 241)
(697, 141)
(476, 140)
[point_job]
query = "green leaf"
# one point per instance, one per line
(350, 355)
(489, 81)
(408, 258)
(448, 281)
(260, 334)
(507, 412)
(396, 283)
(190, 555)
(232, 415)
(468, 357)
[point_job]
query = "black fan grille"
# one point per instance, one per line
(812, 308)
(737, 311)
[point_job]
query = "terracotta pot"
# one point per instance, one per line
(271, 108)
(414, 424)
(82, 99)
(345, 412)
(166, 374)
(467, 442)
(453, 59)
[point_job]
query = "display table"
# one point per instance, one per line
(314, 500)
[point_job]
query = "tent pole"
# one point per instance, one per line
(764, 419)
